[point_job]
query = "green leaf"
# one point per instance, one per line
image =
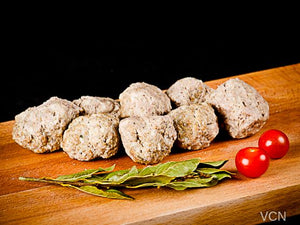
(116, 177)
(215, 164)
(177, 175)
(84, 174)
(215, 173)
(212, 171)
(172, 169)
(221, 176)
(109, 193)
(193, 183)
(147, 181)
(161, 173)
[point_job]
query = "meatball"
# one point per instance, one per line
(242, 108)
(41, 128)
(148, 139)
(196, 125)
(188, 91)
(92, 136)
(142, 99)
(93, 105)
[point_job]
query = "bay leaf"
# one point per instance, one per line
(212, 171)
(215, 164)
(172, 169)
(84, 174)
(177, 175)
(215, 173)
(116, 177)
(221, 176)
(147, 181)
(192, 183)
(162, 172)
(109, 193)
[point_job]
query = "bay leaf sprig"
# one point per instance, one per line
(105, 182)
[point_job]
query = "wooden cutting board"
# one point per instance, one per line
(236, 201)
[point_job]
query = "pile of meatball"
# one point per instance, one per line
(142, 120)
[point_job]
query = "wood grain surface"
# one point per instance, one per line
(235, 201)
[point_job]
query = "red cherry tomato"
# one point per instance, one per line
(275, 143)
(252, 162)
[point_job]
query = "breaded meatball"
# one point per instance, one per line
(147, 139)
(188, 91)
(196, 125)
(243, 109)
(92, 105)
(142, 99)
(92, 136)
(40, 128)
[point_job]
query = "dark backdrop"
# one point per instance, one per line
(41, 67)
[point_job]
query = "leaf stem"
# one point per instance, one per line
(53, 181)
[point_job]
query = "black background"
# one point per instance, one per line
(41, 66)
